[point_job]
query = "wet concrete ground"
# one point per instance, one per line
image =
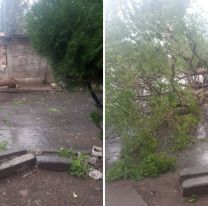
(113, 149)
(197, 154)
(47, 120)
(123, 193)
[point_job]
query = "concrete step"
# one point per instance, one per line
(195, 186)
(193, 172)
(17, 164)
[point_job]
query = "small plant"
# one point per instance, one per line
(97, 118)
(18, 101)
(3, 146)
(51, 109)
(79, 163)
(65, 152)
(192, 198)
(79, 166)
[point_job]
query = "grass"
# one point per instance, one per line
(65, 152)
(192, 199)
(3, 146)
(148, 151)
(151, 166)
(79, 166)
(52, 109)
(18, 101)
(97, 118)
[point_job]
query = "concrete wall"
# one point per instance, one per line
(22, 62)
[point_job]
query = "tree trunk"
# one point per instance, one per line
(94, 96)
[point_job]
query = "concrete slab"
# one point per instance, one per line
(53, 163)
(18, 164)
(192, 172)
(122, 193)
(195, 186)
(12, 153)
(113, 149)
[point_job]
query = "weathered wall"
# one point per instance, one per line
(22, 62)
(3, 60)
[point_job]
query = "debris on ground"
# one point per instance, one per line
(97, 151)
(93, 160)
(96, 174)
(75, 195)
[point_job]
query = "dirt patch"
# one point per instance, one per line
(164, 191)
(47, 188)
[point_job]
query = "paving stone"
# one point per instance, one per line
(122, 193)
(53, 163)
(18, 164)
(12, 153)
(192, 172)
(195, 186)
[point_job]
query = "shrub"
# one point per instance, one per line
(79, 166)
(150, 166)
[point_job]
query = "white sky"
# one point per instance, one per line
(203, 4)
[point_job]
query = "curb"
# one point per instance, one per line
(19, 160)
(16, 165)
(53, 163)
(16, 161)
(12, 153)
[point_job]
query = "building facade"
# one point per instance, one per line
(17, 57)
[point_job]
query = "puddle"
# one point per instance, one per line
(201, 133)
(113, 149)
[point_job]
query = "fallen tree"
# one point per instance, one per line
(154, 51)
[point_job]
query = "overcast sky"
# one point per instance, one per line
(203, 4)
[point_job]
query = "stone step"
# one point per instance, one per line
(51, 162)
(193, 172)
(17, 164)
(195, 186)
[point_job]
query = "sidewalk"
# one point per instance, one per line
(122, 193)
